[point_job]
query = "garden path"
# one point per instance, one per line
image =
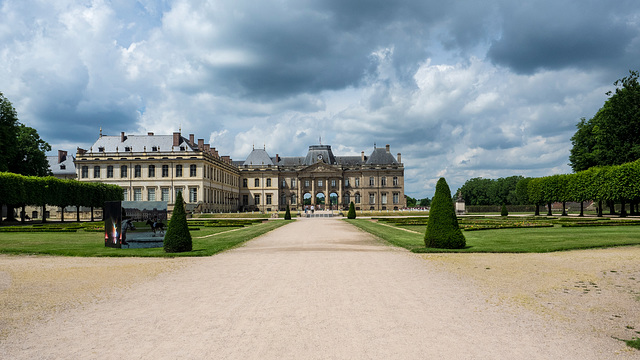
(313, 289)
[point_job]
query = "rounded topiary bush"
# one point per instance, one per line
(443, 231)
(178, 237)
(504, 211)
(287, 214)
(352, 211)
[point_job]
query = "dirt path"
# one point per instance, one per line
(314, 289)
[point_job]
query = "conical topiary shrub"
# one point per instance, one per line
(287, 214)
(443, 231)
(503, 211)
(352, 211)
(178, 238)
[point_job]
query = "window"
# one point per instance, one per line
(357, 198)
(268, 199)
(125, 194)
(383, 198)
(109, 171)
(306, 183)
(333, 182)
(193, 194)
(245, 200)
(372, 181)
(165, 170)
(395, 181)
(123, 171)
(347, 199)
(178, 189)
(293, 199)
(152, 171)
(63, 167)
(284, 183)
(137, 194)
(346, 182)
(154, 148)
(244, 183)
(268, 182)
(192, 170)
(137, 171)
(127, 148)
(151, 194)
(372, 198)
(178, 170)
(164, 194)
(96, 172)
(256, 182)
(283, 199)
(293, 183)
(395, 198)
(257, 198)
(357, 182)
(320, 183)
(383, 181)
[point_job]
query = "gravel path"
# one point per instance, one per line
(313, 289)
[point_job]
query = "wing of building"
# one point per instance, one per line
(155, 167)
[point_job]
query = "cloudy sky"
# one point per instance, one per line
(461, 88)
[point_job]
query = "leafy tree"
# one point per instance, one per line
(442, 227)
(479, 191)
(352, 211)
(612, 136)
(8, 133)
(522, 191)
(425, 202)
(411, 202)
(178, 237)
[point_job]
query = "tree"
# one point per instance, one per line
(612, 136)
(287, 214)
(504, 211)
(411, 202)
(443, 231)
(178, 238)
(425, 202)
(8, 133)
(352, 211)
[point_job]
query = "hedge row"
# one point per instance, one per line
(498, 208)
(18, 190)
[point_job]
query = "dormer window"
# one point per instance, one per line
(101, 149)
(154, 148)
(63, 167)
(181, 148)
(127, 148)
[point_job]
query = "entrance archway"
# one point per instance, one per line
(320, 201)
(333, 201)
(306, 199)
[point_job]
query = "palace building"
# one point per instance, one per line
(155, 167)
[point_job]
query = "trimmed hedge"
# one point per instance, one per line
(177, 238)
(443, 231)
(352, 211)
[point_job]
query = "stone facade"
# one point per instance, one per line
(154, 167)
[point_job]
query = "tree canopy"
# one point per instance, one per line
(612, 135)
(479, 191)
(21, 149)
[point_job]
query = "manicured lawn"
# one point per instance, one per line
(512, 240)
(89, 244)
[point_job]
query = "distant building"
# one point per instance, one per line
(155, 167)
(62, 166)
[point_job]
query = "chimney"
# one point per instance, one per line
(149, 134)
(122, 137)
(277, 158)
(62, 156)
(207, 147)
(226, 159)
(191, 139)
(388, 148)
(362, 156)
(81, 151)
(176, 139)
(201, 144)
(399, 159)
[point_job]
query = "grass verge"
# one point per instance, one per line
(521, 240)
(91, 244)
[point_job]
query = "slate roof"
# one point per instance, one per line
(138, 143)
(380, 156)
(258, 157)
(65, 168)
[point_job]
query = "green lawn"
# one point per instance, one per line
(521, 240)
(90, 244)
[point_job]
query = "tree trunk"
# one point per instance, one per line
(91, 213)
(612, 207)
(11, 216)
(623, 210)
(44, 214)
(581, 208)
(22, 214)
(564, 208)
(537, 210)
(78, 213)
(599, 208)
(549, 213)
(62, 213)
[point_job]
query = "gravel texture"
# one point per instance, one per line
(318, 289)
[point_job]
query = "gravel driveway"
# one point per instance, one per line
(313, 289)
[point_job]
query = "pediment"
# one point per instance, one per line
(320, 168)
